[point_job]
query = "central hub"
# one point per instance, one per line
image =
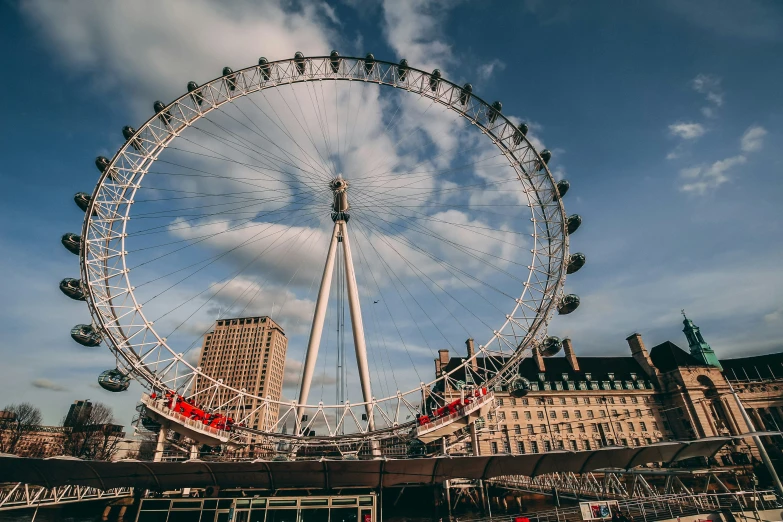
(340, 206)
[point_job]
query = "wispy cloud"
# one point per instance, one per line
(413, 28)
(46, 384)
(753, 139)
(710, 87)
(700, 179)
(687, 131)
(486, 70)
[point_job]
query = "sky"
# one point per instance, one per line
(665, 117)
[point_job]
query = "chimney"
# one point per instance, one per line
(471, 353)
(639, 352)
(539, 359)
(441, 361)
(570, 355)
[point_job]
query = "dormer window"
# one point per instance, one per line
(611, 376)
(633, 376)
(565, 376)
(541, 377)
(589, 377)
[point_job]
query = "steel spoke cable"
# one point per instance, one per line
(405, 135)
(407, 290)
(316, 171)
(199, 241)
(299, 104)
(264, 135)
(458, 246)
(416, 270)
(443, 263)
(212, 285)
(391, 315)
(306, 131)
(321, 123)
(286, 132)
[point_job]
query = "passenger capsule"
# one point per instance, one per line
(519, 387)
(334, 61)
(230, 78)
(568, 304)
(86, 335)
(402, 69)
(575, 262)
(82, 200)
(72, 242)
(162, 112)
(546, 155)
(435, 80)
(494, 111)
(72, 288)
(464, 94)
(103, 163)
(299, 60)
(128, 133)
(520, 133)
(263, 65)
(561, 189)
(195, 94)
(113, 380)
(551, 346)
(573, 222)
(369, 63)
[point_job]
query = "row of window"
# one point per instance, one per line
(574, 400)
(579, 428)
(532, 446)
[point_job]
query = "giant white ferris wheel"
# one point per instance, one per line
(301, 187)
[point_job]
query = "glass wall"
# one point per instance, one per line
(350, 508)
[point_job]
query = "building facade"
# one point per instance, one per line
(583, 403)
(248, 354)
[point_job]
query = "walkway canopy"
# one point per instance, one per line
(331, 474)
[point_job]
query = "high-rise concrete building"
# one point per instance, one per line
(78, 413)
(248, 354)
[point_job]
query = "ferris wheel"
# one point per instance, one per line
(356, 202)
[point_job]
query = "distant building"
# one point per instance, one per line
(78, 413)
(582, 403)
(248, 354)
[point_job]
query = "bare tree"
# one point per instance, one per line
(92, 434)
(147, 445)
(17, 420)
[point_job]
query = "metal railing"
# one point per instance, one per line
(20, 496)
(665, 507)
(465, 410)
(159, 407)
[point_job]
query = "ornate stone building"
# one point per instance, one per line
(666, 393)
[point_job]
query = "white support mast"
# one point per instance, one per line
(340, 217)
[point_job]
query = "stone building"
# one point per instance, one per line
(247, 353)
(666, 393)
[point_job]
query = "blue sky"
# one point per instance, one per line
(665, 117)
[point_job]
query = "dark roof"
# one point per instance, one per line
(768, 366)
(668, 356)
(599, 368)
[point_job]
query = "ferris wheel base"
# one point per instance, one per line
(186, 427)
(450, 424)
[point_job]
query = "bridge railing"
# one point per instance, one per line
(20, 496)
(664, 507)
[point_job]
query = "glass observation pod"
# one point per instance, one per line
(342, 508)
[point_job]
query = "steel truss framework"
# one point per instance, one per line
(615, 484)
(142, 352)
(20, 496)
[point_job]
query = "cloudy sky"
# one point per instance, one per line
(666, 118)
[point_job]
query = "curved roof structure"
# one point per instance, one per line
(331, 474)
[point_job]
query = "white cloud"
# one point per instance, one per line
(753, 139)
(485, 71)
(149, 50)
(414, 30)
(775, 316)
(687, 131)
(700, 179)
(46, 384)
(710, 87)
